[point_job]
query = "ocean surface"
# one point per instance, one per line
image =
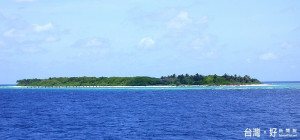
(227, 112)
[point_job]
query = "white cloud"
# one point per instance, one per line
(203, 20)
(19, 36)
(92, 47)
(183, 21)
(91, 43)
(13, 33)
(94, 42)
(211, 54)
(51, 39)
(287, 45)
(200, 43)
(268, 56)
(22, 32)
(146, 42)
(248, 60)
(23, 0)
(180, 21)
(31, 49)
(41, 28)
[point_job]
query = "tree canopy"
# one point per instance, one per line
(173, 79)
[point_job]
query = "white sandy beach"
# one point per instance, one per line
(252, 85)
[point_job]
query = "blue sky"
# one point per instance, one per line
(41, 39)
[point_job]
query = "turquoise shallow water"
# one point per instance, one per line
(266, 85)
(148, 113)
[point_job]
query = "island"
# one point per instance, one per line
(170, 80)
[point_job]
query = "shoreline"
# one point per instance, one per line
(249, 85)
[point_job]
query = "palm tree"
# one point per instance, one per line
(215, 78)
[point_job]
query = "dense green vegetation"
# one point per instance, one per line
(141, 81)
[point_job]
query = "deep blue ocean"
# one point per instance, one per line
(150, 113)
